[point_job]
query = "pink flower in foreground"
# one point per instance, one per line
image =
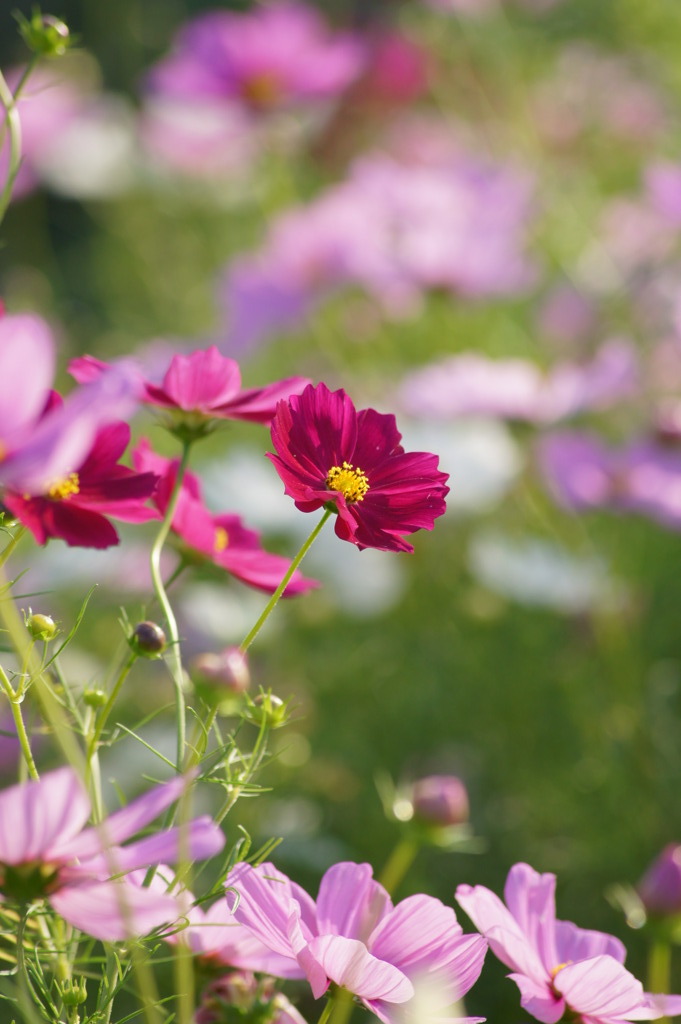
(354, 936)
(75, 508)
(205, 385)
(45, 851)
(559, 968)
(329, 455)
(42, 441)
(221, 539)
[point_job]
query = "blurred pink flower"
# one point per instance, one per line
(277, 55)
(221, 539)
(76, 507)
(240, 991)
(582, 472)
(559, 968)
(660, 887)
(46, 852)
(329, 455)
(440, 800)
(354, 936)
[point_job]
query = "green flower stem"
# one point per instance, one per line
(175, 655)
(15, 701)
(250, 637)
(399, 862)
(659, 969)
(106, 710)
(326, 1012)
(257, 754)
(12, 124)
(339, 1007)
(11, 544)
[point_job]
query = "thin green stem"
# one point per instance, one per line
(22, 736)
(12, 123)
(175, 655)
(659, 968)
(254, 760)
(326, 1012)
(11, 544)
(113, 697)
(271, 604)
(398, 863)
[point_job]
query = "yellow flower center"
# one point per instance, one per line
(350, 481)
(63, 489)
(221, 539)
(3, 451)
(559, 967)
(262, 90)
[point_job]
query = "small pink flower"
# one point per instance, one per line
(203, 384)
(222, 539)
(559, 968)
(330, 455)
(354, 936)
(660, 887)
(45, 851)
(76, 507)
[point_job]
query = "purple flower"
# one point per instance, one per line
(660, 887)
(583, 472)
(330, 455)
(559, 968)
(440, 800)
(43, 441)
(353, 936)
(277, 55)
(46, 852)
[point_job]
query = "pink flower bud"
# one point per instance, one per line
(440, 800)
(660, 887)
(225, 671)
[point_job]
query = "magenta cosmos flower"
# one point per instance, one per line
(222, 539)
(330, 455)
(45, 851)
(75, 508)
(204, 386)
(353, 936)
(42, 442)
(559, 968)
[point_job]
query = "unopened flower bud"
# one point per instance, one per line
(73, 993)
(222, 672)
(44, 34)
(94, 697)
(41, 627)
(148, 640)
(267, 709)
(440, 800)
(660, 887)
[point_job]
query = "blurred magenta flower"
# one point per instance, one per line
(46, 852)
(470, 384)
(276, 55)
(559, 968)
(222, 539)
(43, 441)
(205, 385)
(398, 227)
(660, 887)
(330, 455)
(440, 800)
(354, 937)
(582, 472)
(76, 507)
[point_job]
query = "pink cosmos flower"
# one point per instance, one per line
(330, 455)
(42, 442)
(45, 851)
(660, 887)
(76, 507)
(222, 539)
(582, 472)
(205, 385)
(559, 968)
(354, 936)
(277, 55)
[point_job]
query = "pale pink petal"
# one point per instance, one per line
(199, 839)
(602, 987)
(538, 999)
(35, 817)
(350, 902)
(114, 911)
(531, 899)
(502, 931)
(573, 943)
(27, 363)
(348, 963)
(264, 904)
(414, 932)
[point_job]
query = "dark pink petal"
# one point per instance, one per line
(109, 444)
(350, 902)
(539, 1000)
(114, 911)
(85, 369)
(27, 363)
(258, 405)
(79, 527)
(202, 381)
(36, 816)
(263, 570)
(348, 963)
(377, 439)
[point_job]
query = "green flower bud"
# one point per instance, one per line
(94, 697)
(44, 34)
(41, 627)
(267, 709)
(73, 993)
(147, 640)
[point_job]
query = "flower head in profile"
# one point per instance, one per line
(46, 852)
(329, 455)
(559, 968)
(353, 936)
(221, 539)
